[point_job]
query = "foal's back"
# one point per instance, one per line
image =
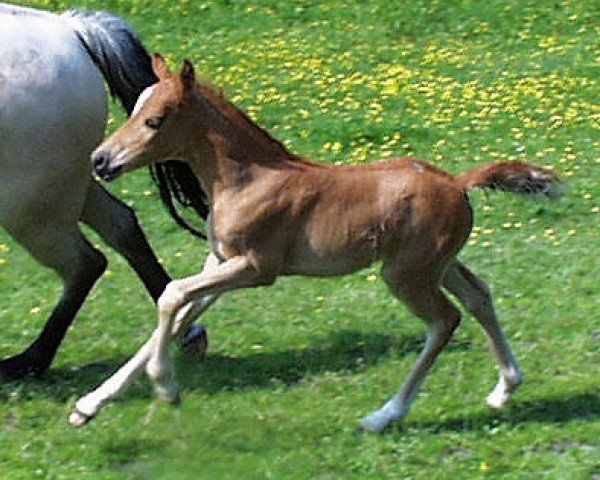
(341, 218)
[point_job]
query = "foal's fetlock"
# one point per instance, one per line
(165, 388)
(168, 392)
(506, 386)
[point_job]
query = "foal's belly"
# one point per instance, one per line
(328, 264)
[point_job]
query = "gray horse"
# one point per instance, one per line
(53, 112)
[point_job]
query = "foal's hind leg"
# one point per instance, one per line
(420, 292)
(66, 251)
(474, 294)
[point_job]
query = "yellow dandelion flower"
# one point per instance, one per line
(336, 147)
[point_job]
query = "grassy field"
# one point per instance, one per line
(291, 369)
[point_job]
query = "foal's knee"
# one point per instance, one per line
(171, 300)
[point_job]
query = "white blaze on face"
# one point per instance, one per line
(142, 99)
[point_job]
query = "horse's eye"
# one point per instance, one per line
(154, 122)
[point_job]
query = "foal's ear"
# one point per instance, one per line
(188, 76)
(159, 65)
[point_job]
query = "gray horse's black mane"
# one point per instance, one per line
(178, 183)
(127, 68)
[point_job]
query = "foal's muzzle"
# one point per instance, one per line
(101, 163)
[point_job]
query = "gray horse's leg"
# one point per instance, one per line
(118, 226)
(79, 265)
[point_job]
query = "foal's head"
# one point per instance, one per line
(155, 131)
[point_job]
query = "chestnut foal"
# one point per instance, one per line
(275, 213)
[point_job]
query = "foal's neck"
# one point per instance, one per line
(246, 139)
(235, 147)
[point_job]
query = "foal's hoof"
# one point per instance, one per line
(195, 341)
(504, 390)
(375, 422)
(176, 400)
(79, 419)
(379, 420)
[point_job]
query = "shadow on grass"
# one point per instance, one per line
(575, 406)
(343, 351)
(346, 350)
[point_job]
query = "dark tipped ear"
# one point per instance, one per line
(159, 65)
(188, 76)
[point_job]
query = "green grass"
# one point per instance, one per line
(292, 368)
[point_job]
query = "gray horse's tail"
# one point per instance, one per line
(117, 51)
(127, 68)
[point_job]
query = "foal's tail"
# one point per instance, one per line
(117, 51)
(517, 177)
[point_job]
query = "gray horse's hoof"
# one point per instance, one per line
(195, 341)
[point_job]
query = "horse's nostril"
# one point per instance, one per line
(99, 161)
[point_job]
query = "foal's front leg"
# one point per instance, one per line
(234, 273)
(89, 405)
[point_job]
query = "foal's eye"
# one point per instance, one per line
(154, 122)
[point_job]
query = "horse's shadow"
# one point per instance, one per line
(346, 350)
(580, 405)
(343, 351)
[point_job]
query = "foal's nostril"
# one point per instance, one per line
(103, 164)
(99, 161)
